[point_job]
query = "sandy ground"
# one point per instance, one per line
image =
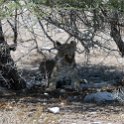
(33, 109)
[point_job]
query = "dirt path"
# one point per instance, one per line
(33, 109)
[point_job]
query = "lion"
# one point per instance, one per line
(62, 69)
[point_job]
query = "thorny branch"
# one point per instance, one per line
(46, 32)
(76, 33)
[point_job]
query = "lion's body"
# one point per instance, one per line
(64, 67)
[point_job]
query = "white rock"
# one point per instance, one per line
(62, 91)
(44, 103)
(54, 110)
(46, 94)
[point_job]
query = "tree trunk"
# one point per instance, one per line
(115, 34)
(9, 76)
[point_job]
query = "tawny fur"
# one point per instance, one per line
(62, 67)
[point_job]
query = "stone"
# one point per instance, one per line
(99, 98)
(54, 110)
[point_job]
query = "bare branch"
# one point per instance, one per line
(73, 32)
(46, 32)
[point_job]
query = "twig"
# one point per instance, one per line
(46, 32)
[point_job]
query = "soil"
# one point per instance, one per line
(32, 108)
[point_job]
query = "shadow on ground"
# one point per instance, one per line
(99, 73)
(72, 100)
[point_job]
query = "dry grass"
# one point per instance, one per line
(72, 113)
